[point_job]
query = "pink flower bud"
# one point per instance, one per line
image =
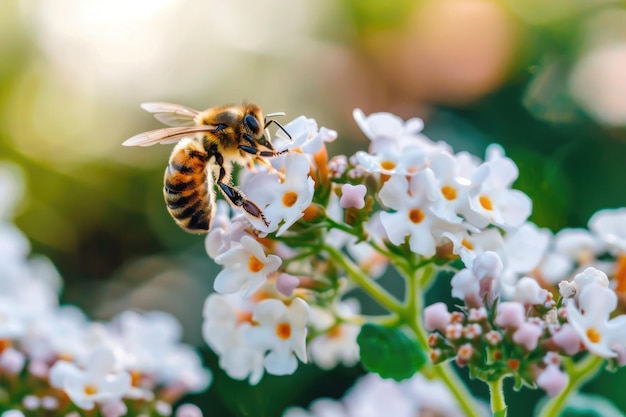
(38, 368)
(552, 380)
(527, 335)
(115, 408)
(49, 403)
(188, 410)
(510, 314)
(12, 361)
(567, 339)
(31, 402)
(352, 196)
(436, 316)
(285, 284)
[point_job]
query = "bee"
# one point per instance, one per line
(207, 144)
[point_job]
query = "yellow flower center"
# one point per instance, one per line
(485, 202)
(283, 330)
(90, 389)
(290, 198)
(448, 192)
(593, 335)
(416, 215)
(387, 165)
(254, 265)
(335, 332)
(467, 244)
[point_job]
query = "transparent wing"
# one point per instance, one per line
(167, 135)
(171, 114)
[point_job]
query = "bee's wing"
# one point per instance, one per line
(167, 135)
(171, 114)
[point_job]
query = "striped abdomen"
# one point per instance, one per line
(187, 193)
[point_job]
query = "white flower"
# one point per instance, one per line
(579, 244)
(182, 366)
(322, 407)
(385, 125)
(610, 227)
(454, 188)
(389, 162)
(281, 330)
(524, 248)
(528, 291)
(304, 136)
(433, 397)
(373, 396)
(223, 329)
(589, 276)
(338, 343)
(389, 132)
(492, 201)
(470, 244)
(472, 284)
(413, 217)
(590, 319)
(284, 198)
(246, 266)
(99, 382)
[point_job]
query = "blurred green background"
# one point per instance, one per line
(546, 79)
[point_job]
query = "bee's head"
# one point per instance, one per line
(254, 124)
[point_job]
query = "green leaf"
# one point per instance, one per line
(389, 352)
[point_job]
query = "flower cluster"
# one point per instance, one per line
(55, 361)
(261, 316)
(518, 328)
(285, 293)
(337, 222)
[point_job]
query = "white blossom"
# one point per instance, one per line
(246, 267)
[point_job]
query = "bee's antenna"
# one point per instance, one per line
(270, 121)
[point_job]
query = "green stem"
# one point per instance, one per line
(373, 289)
(498, 405)
(579, 373)
(411, 314)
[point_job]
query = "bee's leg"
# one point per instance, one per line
(238, 199)
(265, 154)
(234, 195)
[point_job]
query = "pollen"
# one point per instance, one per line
(387, 165)
(620, 275)
(513, 364)
(283, 330)
(290, 198)
(4, 343)
(335, 332)
(593, 335)
(486, 202)
(448, 192)
(254, 265)
(467, 244)
(135, 378)
(416, 216)
(90, 389)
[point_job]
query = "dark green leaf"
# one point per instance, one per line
(389, 352)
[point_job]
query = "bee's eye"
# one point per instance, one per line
(252, 123)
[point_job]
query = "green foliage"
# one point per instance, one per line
(501, 413)
(389, 352)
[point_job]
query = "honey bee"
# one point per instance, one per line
(208, 143)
